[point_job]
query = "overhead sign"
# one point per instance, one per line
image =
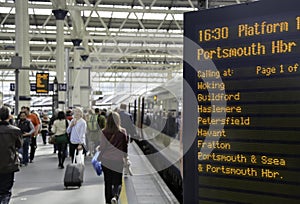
(62, 87)
(42, 82)
(241, 121)
(32, 87)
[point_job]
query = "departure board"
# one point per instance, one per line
(42, 82)
(241, 104)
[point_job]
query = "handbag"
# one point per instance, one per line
(80, 157)
(61, 139)
(51, 139)
(97, 164)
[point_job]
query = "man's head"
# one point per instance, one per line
(123, 106)
(4, 113)
(25, 109)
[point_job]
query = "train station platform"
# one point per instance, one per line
(42, 182)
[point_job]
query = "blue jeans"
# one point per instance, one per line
(26, 142)
(6, 184)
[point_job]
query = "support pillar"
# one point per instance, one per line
(85, 88)
(85, 84)
(67, 66)
(23, 50)
(76, 99)
(60, 15)
(81, 78)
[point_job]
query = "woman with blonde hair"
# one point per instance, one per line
(77, 130)
(113, 151)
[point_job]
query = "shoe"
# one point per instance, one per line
(114, 200)
(31, 161)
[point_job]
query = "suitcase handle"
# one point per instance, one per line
(74, 158)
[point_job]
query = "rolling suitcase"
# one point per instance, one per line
(74, 174)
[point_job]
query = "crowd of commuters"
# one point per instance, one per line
(74, 130)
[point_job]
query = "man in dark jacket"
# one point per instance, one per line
(27, 129)
(127, 122)
(11, 140)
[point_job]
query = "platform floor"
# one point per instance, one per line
(42, 182)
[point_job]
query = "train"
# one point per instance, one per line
(157, 116)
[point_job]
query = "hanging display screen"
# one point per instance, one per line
(42, 82)
(241, 114)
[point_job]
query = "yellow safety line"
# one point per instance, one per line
(123, 195)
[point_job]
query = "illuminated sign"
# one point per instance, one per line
(42, 82)
(241, 111)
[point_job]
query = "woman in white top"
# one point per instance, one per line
(77, 130)
(59, 128)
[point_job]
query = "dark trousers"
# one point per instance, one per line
(33, 147)
(112, 183)
(44, 136)
(6, 184)
(61, 153)
(72, 148)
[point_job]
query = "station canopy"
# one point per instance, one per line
(131, 44)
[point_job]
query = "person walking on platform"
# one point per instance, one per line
(127, 122)
(77, 130)
(52, 119)
(69, 116)
(44, 131)
(11, 140)
(36, 123)
(93, 131)
(101, 119)
(27, 129)
(113, 148)
(59, 129)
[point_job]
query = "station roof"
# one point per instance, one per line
(128, 41)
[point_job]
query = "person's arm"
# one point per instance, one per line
(81, 130)
(53, 129)
(71, 125)
(36, 121)
(19, 141)
(125, 145)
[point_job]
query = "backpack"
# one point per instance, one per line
(101, 121)
(92, 123)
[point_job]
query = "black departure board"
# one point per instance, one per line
(42, 82)
(241, 104)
